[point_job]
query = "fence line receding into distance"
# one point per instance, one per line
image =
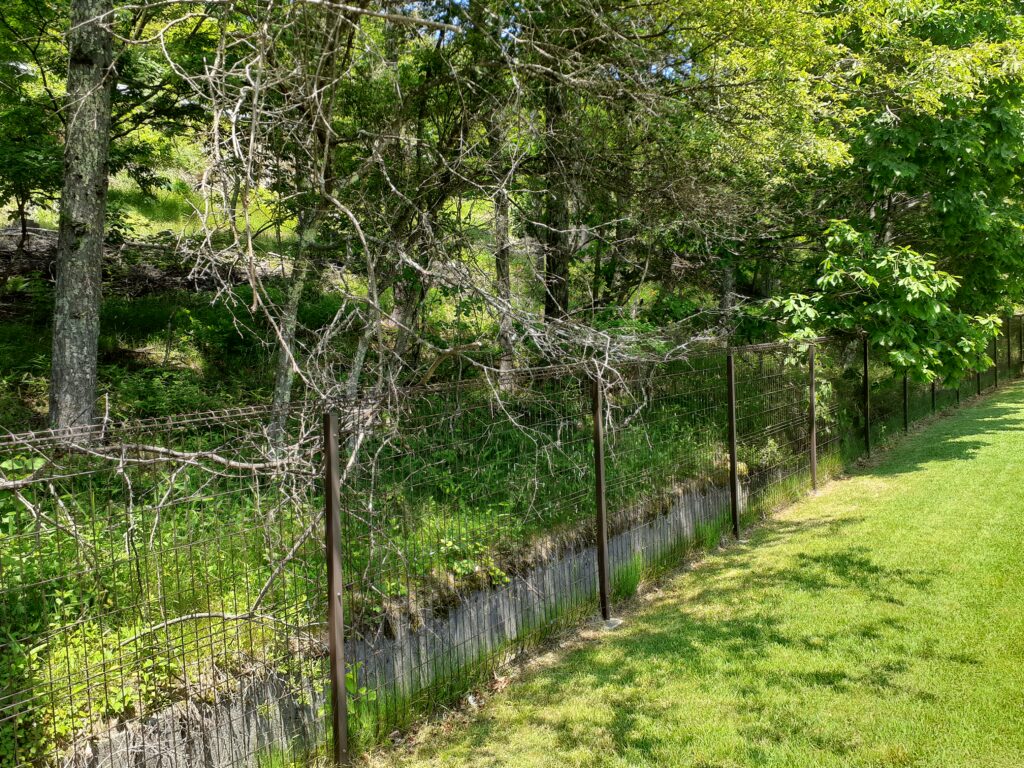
(213, 590)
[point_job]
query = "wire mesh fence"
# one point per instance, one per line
(164, 585)
(452, 493)
(159, 586)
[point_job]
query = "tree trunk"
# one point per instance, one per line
(556, 263)
(556, 211)
(286, 365)
(408, 295)
(502, 253)
(76, 322)
(23, 218)
(314, 179)
(727, 300)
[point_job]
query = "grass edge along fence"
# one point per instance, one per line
(229, 589)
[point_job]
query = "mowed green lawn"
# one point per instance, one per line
(880, 623)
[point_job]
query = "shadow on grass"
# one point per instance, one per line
(730, 632)
(733, 650)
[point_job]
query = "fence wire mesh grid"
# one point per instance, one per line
(164, 586)
(160, 587)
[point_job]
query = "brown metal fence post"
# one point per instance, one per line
(597, 400)
(813, 417)
(933, 395)
(734, 479)
(1009, 349)
(335, 607)
(867, 396)
(906, 403)
(995, 361)
(1020, 350)
(977, 376)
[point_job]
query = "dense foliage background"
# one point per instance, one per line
(314, 198)
(249, 202)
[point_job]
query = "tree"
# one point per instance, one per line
(899, 299)
(927, 100)
(936, 134)
(29, 144)
(82, 215)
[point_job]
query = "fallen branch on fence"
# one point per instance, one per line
(160, 455)
(193, 458)
(247, 616)
(71, 529)
(32, 479)
(444, 355)
(17, 485)
(304, 537)
(252, 614)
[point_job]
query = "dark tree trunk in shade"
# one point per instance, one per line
(23, 220)
(502, 252)
(76, 322)
(555, 226)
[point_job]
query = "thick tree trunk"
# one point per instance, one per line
(76, 322)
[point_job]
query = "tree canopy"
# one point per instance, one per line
(492, 183)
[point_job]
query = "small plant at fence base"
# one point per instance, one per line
(626, 578)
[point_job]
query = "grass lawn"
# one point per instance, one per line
(880, 623)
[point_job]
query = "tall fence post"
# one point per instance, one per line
(934, 396)
(813, 415)
(597, 400)
(867, 396)
(906, 403)
(1020, 350)
(1009, 348)
(734, 479)
(995, 361)
(335, 607)
(977, 376)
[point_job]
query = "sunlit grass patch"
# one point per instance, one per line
(879, 623)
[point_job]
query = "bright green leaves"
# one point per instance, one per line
(933, 93)
(898, 297)
(29, 132)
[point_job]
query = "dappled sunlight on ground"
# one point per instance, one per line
(859, 627)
